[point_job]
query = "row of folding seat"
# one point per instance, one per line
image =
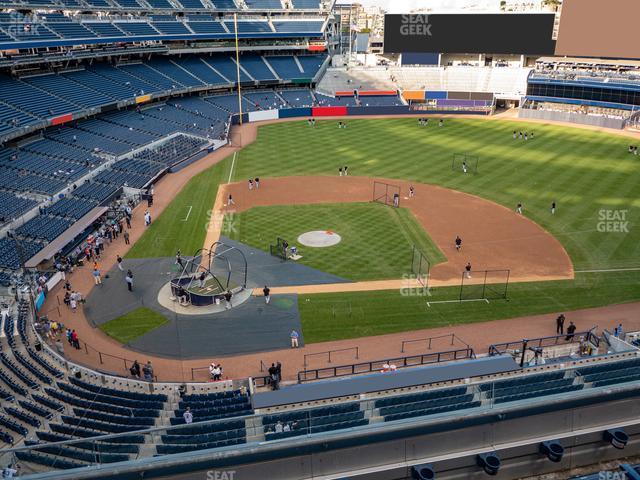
(170, 449)
(205, 397)
(69, 452)
(153, 397)
(169, 438)
(426, 404)
(538, 386)
(102, 426)
(23, 416)
(524, 380)
(621, 377)
(94, 446)
(18, 372)
(6, 437)
(111, 418)
(608, 366)
(12, 425)
(539, 393)
(417, 397)
(212, 404)
(46, 460)
(47, 402)
(316, 429)
(179, 420)
(111, 399)
(35, 371)
(432, 411)
(36, 409)
(210, 428)
(104, 407)
(81, 432)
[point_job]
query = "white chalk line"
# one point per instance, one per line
(233, 162)
(188, 213)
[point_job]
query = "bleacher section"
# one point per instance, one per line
(510, 82)
(49, 29)
(33, 100)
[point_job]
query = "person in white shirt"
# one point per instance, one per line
(188, 416)
(10, 471)
(279, 427)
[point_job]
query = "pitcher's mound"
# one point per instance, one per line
(319, 239)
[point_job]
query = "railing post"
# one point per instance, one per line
(100, 356)
(429, 348)
(357, 353)
(85, 348)
(452, 337)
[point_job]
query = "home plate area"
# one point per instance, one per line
(319, 239)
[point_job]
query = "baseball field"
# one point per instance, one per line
(590, 175)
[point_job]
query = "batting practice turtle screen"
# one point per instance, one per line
(524, 34)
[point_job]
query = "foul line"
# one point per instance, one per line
(634, 269)
(233, 162)
(459, 301)
(188, 213)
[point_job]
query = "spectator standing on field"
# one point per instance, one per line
(267, 294)
(294, 335)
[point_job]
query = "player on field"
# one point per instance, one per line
(458, 243)
(464, 166)
(519, 208)
(412, 192)
(553, 208)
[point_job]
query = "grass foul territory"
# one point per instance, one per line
(134, 324)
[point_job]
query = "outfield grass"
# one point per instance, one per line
(337, 316)
(376, 244)
(183, 224)
(589, 174)
(133, 325)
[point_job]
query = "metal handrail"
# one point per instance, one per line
(378, 365)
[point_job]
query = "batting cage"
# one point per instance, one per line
(420, 267)
(280, 249)
(484, 285)
(386, 193)
(464, 163)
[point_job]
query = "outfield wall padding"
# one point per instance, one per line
(295, 112)
(435, 95)
(389, 110)
(329, 111)
(263, 115)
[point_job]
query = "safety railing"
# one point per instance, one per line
(381, 365)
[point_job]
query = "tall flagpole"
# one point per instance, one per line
(235, 25)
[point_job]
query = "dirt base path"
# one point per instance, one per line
(494, 237)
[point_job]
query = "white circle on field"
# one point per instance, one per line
(319, 239)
